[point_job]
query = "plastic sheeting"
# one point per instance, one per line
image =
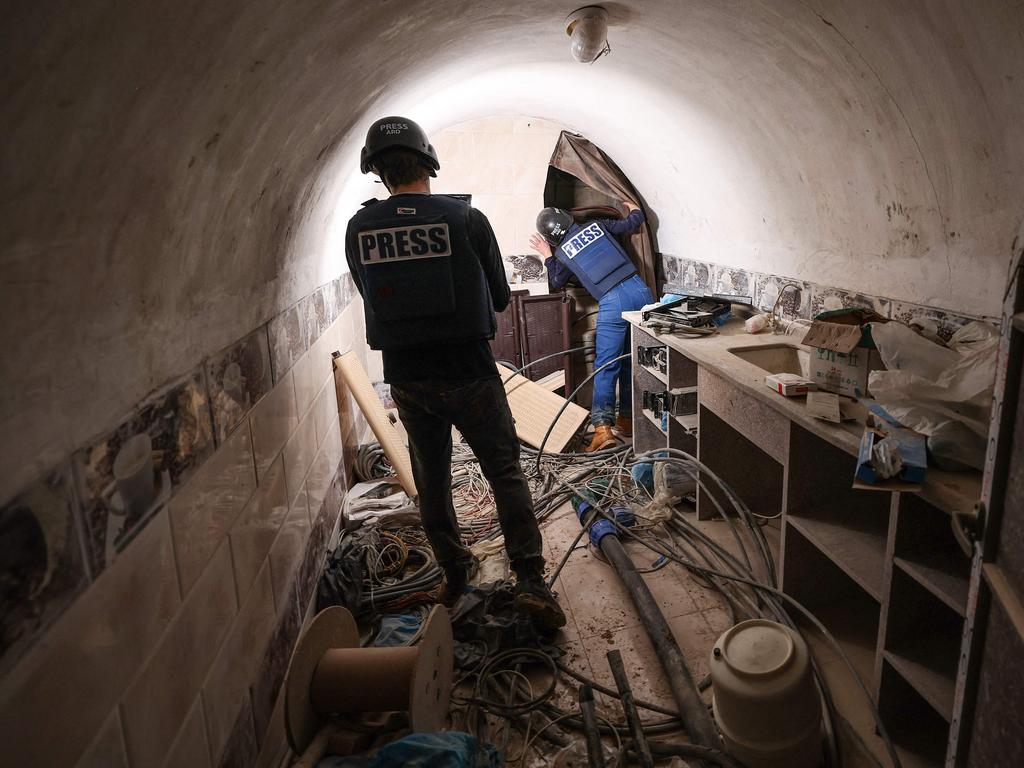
(584, 160)
(942, 392)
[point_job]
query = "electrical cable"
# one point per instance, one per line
(551, 427)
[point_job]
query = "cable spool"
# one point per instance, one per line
(330, 674)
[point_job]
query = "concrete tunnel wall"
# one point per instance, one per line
(176, 173)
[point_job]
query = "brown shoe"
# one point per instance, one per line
(603, 438)
(624, 426)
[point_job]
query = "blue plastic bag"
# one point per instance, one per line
(445, 749)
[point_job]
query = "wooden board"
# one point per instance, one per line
(394, 446)
(534, 408)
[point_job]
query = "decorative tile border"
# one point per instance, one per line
(802, 299)
(58, 534)
(43, 567)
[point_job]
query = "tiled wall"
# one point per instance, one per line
(151, 625)
(806, 300)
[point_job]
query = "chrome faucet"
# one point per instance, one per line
(773, 321)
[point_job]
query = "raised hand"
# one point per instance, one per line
(540, 245)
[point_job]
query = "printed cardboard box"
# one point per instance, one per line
(843, 353)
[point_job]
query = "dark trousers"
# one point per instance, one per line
(479, 410)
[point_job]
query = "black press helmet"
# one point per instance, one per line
(553, 224)
(394, 132)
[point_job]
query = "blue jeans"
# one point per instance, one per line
(612, 341)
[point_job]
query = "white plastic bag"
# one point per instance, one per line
(927, 386)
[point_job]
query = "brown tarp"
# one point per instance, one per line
(576, 156)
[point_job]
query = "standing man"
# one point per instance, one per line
(591, 253)
(431, 276)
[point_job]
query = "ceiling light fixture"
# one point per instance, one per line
(588, 30)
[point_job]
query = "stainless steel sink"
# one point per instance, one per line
(776, 358)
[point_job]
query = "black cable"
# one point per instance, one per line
(551, 427)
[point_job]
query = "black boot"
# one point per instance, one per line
(534, 599)
(456, 579)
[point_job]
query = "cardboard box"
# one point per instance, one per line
(789, 384)
(843, 352)
(912, 449)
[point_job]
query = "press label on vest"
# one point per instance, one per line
(379, 246)
(589, 234)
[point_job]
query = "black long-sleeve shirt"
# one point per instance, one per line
(461, 360)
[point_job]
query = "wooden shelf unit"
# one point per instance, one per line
(682, 372)
(880, 569)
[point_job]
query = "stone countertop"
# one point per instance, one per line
(948, 491)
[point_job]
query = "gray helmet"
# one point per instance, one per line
(394, 133)
(553, 224)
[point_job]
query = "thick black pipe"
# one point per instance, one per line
(643, 751)
(692, 710)
(595, 752)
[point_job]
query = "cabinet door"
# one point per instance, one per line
(990, 689)
(544, 331)
(505, 344)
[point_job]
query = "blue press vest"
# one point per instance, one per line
(595, 257)
(422, 280)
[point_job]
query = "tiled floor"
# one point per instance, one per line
(601, 618)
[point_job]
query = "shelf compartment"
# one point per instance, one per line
(688, 422)
(926, 551)
(923, 671)
(918, 732)
(932, 572)
(851, 527)
(922, 641)
(662, 377)
(860, 553)
(654, 420)
(754, 475)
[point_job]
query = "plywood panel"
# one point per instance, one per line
(534, 408)
(352, 371)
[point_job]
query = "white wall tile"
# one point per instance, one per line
(286, 552)
(204, 510)
(256, 528)
(325, 412)
(325, 466)
(275, 744)
(158, 702)
(75, 674)
(235, 666)
(305, 386)
(272, 422)
(299, 452)
(107, 751)
(190, 749)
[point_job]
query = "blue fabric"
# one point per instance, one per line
(612, 341)
(445, 749)
(626, 226)
(398, 629)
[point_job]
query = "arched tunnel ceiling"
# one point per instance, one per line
(177, 172)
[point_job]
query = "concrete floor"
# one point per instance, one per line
(601, 617)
